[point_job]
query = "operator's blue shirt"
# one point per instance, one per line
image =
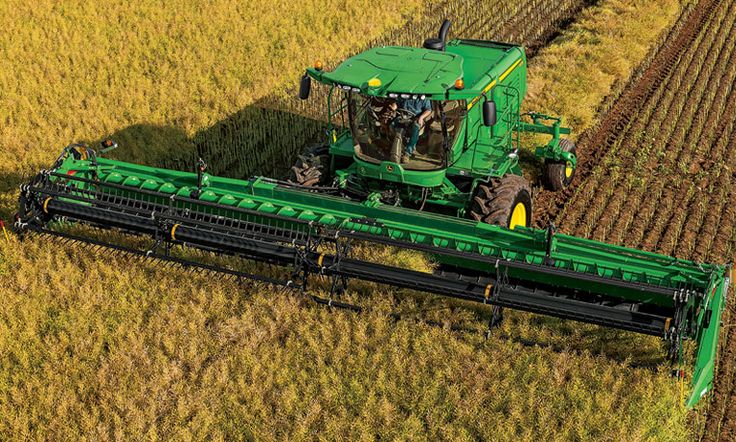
(415, 105)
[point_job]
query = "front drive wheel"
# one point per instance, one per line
(505, 201)
(559, 174)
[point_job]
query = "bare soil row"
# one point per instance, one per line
(617, 122)
(657, 173)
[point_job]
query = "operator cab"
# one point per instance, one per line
(384, 128)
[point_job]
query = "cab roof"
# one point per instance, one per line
(408, 70)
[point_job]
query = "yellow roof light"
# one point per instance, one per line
(459, 83)
(318, 65)
(374, 82)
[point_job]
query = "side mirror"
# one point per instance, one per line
(305, 86)
(489, 113)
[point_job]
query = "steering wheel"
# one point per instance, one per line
(405, 114)
(374, 112)
(404, 117)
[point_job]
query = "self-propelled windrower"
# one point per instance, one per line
(444, 181)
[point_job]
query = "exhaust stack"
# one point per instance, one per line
(439, 43)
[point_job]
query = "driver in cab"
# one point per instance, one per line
(421, 108)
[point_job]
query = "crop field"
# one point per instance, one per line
(76, 71)
(658, 173)
(101, 346)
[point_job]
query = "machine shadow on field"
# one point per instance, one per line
(10, 180)
(9, 183)
(534, 331)
(253, 141)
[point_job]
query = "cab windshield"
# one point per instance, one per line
(413, 131)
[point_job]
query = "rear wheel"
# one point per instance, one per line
(312, 168)
(505, 201)
(559, 174)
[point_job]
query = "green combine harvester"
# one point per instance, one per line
(422, 154)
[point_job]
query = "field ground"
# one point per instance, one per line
(77, 71)
(657, 173)
(99, 346)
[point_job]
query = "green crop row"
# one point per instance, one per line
(642, 192)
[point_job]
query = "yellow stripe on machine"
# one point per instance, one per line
(493, 83)
(488, 291)
(46, 205)
(508, 71)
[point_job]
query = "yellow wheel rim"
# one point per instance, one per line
(518, 216)
(568, 169)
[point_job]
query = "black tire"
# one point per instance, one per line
(557, 175)
(494, 201)
(312, 168)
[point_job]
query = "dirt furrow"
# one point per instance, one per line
(702, 136)
(716, 219)
(596, 142)
(630, 143)
(629, 228)
(701, 224)
(549, 203)
(603, 215)
(722, 243)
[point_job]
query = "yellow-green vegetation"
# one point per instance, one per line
(78, 70)
(118, 349)
(94, 346)
(597, 54)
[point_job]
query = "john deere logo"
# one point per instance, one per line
(390, 168)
